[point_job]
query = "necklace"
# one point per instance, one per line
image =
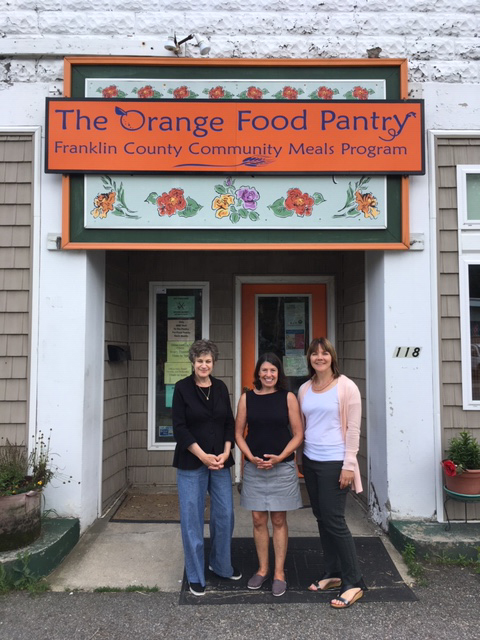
(205, 395)
(318, 389)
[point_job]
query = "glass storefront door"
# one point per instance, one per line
(283, 319)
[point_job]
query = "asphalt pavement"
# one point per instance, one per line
(120, 555)
(448, 607)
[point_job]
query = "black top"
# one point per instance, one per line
(268, 426)
(209, 423)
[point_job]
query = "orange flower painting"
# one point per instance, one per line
(103, 203)
(366, 203)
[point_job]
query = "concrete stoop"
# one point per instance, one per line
(431, 538)
(58, 537)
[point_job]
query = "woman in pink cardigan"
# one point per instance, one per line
(331, 408)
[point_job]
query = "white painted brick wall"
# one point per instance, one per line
(438, 37)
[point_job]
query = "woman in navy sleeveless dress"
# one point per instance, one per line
(270, 481)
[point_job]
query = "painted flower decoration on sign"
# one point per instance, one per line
(253, 93)
(221, 205)
(174, 202)
(103, 203)
(111, 92)
(170, 202)
(288, 93)
(366, 204)
(358, 93)
(218, 93)
(358, 202)
(183, 93)
(235, 203)
(248, 196)
(323, 93)
(113, 200)
(147, 92)
(296, 202)
(299, 202)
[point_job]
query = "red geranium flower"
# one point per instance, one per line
(170, 202)
(449, 467)
(110, 92)
(181, 92)
(299, 202)
(289, 93)
(360, 93)
(216, 93)
(145, 92)
(324, 93)
(254, 94)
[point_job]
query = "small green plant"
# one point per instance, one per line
(464, 451)
(21, 472)
(457, 561)
(13, 468)
(24, 580)
(5, 585)
(415, 569)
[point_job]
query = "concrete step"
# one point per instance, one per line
(431, 538)
(58, 537)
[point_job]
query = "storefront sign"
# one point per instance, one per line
(181, 154)
(268, 137)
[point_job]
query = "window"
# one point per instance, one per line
(178, 317)
(474, 307)
(468, 190)
(473, 197)
(283, 327)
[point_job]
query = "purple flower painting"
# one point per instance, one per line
(249, 197)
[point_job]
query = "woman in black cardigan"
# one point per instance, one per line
(203, 427)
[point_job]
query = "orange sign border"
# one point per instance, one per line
(70, 62)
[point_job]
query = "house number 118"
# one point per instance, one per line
(406, 352)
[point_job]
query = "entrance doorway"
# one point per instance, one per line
(280, 315)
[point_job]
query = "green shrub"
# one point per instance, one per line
(464, 451)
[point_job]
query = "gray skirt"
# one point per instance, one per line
(275, 489)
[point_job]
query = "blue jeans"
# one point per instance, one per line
(192, 492)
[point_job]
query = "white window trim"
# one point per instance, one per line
(152, 348)
(468, 254)
(463, 170)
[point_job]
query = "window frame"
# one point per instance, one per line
(465, 335)
(204, 286)
(464, 170)
(468, 254)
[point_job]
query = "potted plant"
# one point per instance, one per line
(462, 465)
(22, 478)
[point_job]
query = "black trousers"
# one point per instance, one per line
(328, 505)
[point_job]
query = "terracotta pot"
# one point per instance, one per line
(467, 483)
(20, 519)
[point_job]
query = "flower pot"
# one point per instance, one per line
(467, 483)
(20, 520)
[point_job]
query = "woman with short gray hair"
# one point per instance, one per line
(203, 428)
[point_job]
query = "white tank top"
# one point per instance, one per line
(323, 429)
